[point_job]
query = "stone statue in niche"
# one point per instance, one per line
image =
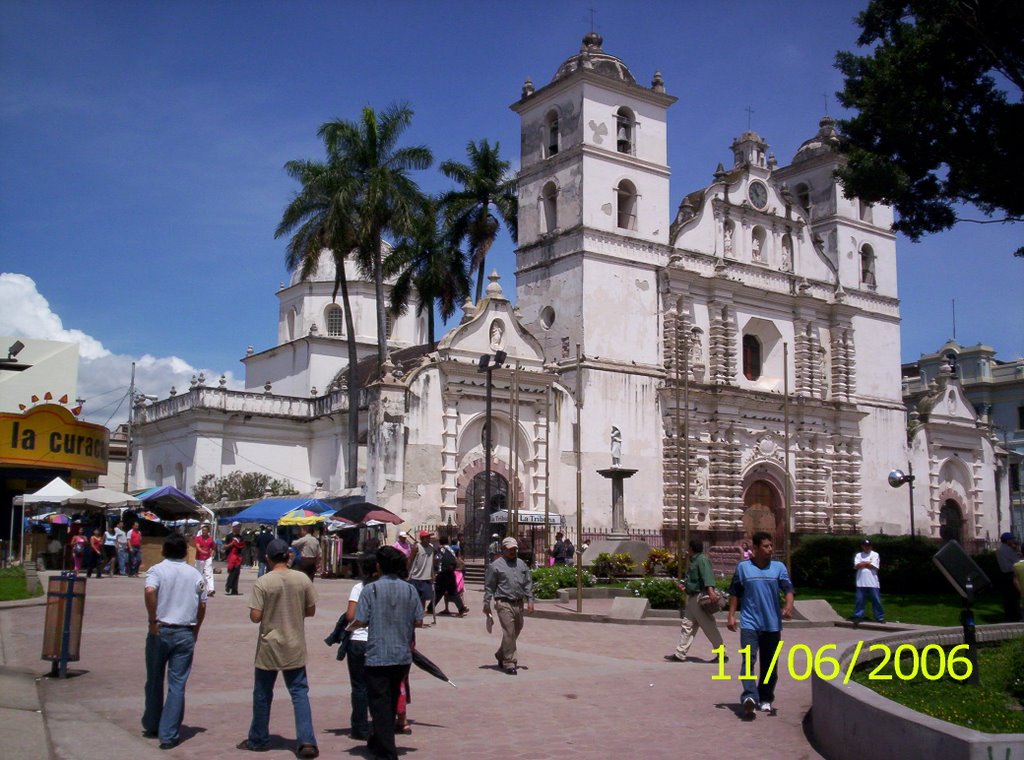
(755, 248)
(700, 484)
(696, 351)
(616, 447)
(728, 240)
(497, 335)
(787, 254)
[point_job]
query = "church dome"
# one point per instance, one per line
(593, 58)
(826, 141)
(325, 269)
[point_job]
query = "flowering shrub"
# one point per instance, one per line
(613, 566)
(662, 593)
(547, 580)
(661, 561)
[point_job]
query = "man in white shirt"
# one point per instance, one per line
(176, 602)
(866, 564)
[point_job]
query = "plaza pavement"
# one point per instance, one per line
(585, 689)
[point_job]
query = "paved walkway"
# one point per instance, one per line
(585, 689)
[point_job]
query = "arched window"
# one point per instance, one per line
(751, 357)
(625, 195)
(864, 211)
(803, 197)
(757, 241)
(867, 266)
(290, 323)
(179, 476)
(549, 205)
(551, 135)
(333, 319)
(951, 361)
(625, 131)
(158, 475)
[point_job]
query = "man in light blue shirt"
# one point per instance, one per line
(758, 582)
(391, 608)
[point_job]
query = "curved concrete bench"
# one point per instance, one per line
(852, 722)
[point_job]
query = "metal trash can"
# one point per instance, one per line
(62, 631)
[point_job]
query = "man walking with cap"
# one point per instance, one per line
(280, 602)
(1007, 555)
(205, 546)
(176, 603)
(509, 582)
(866, 564)
(403, 544)
(421, 569)
(494, 548)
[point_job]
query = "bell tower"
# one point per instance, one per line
(593, 206)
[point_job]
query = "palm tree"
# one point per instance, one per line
(428, 261)
(487, 198)
(386, 198)
(320, 218)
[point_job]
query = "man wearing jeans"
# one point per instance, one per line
(866, 564)
(280, 602)
(758, 582)
(176, 602)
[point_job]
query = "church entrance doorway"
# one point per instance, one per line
(951, 520)
(477, 514)
(762, 510)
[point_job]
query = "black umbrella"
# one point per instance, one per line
(364, 511)
(424, 663)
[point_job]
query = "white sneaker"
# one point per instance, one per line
(766, 707)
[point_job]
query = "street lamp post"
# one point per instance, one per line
(487, 366)
(898, 478)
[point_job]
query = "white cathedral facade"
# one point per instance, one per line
(759, 316)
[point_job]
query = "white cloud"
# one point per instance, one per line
(103, 376)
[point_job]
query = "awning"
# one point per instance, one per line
(53, 492)
(271, 510)
(170, 503)
(527, 518)
(102, 498)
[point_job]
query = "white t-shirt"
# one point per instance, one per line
(867, 577)
(359, 634)
(179, 590)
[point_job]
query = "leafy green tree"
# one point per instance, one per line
(430, 265)
(240, 485)
(321, 219)
(939, 115)
(384, 199)
(486, 199)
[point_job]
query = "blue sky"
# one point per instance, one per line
(142, 144)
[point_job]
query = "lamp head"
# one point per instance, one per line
(897, 478)
(15, 349)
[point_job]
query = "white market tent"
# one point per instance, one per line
(101, 498)
(54, 492)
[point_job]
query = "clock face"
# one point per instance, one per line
(758, 194)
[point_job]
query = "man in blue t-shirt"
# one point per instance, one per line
(758, 582)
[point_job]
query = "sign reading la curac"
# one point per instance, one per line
(49, 436)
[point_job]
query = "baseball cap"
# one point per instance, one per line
(277, 548)
(402, 534)
(495, 535)
(1007, 537)
(508, 543)
(425, 534)
(235, 523)
(866, 541)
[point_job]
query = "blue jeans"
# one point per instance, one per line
(356, 659)
(135, 560)
(263, 697)
(761, 643)
(876, 603)
(262, 569)
(122, 561)
(169, 650)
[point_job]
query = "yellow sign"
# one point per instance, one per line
(49, 436)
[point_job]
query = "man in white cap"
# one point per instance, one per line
(205, 546)
(509, 582)
(403, 544)
(494, 548)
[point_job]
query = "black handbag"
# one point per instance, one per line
(340, 636)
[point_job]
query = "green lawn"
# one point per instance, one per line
(12, 584)
(921, 609)
(988, 707)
